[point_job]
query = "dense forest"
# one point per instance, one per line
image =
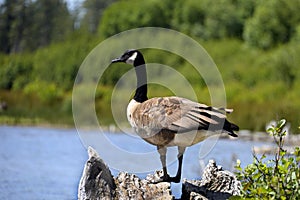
(255, 44)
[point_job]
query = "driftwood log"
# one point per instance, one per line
(97, 182)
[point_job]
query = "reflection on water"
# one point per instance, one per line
(46, 163)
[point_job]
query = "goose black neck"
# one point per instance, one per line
(141, 74)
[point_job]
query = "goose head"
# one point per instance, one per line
(132, 57)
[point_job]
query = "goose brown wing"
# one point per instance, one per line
(178, 115)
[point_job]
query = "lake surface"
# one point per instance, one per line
(46, 163)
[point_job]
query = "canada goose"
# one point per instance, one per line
(171, 121)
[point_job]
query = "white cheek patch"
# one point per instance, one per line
(131, 59)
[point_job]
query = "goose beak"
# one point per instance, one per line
(116, 60)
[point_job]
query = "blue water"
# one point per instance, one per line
(46, 163)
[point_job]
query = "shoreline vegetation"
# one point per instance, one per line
(258, 61)
(256, 97)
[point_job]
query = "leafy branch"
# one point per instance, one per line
(278, 178)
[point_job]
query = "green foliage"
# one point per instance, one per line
(284, 62)
(273, 22)
(59, 63)
(278, 178)
(15, 71)
(263, 24)
(189, 17)
(46, 92)
(125, 15)
(212, 19)
(28, 109)
(254, 79)
(27, 25)
(93, 13)
(205, 19)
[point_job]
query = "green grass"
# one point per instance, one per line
(26, 109)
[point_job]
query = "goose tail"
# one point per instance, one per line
(230, 128)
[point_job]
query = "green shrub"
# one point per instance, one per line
(15, 71)
(59, 62)
(273, 22)
(205, 19)
(278, 178)
(134, 14)
(285, 63)
(46, 92)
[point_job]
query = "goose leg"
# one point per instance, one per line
(177, 178)
(163, 152)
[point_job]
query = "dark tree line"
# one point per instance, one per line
(26, 25)
(93, 12)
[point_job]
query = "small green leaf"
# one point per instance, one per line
(271, 130)
(281, 123)
(294, 176)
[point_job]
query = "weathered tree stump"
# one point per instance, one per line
(98, 183)
(215, 184)
(129, 186)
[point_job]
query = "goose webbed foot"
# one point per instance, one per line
(159, 177)
(167, 178)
